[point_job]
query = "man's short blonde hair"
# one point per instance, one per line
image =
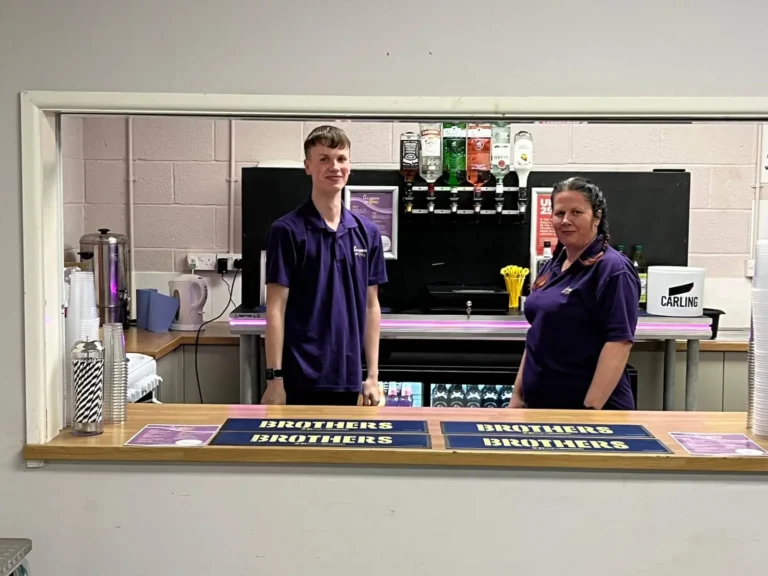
(328, 136)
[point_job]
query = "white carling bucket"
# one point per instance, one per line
(675, 291)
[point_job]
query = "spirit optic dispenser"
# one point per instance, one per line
(455, 159)
(431, 164)
(478, 160)
(501, 155)
(523, 161)
(409, 165)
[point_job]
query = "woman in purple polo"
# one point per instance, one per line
(582, 310)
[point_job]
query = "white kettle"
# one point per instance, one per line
(192, 292)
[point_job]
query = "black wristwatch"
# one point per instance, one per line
(273, 374)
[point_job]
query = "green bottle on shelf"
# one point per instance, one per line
(638, 261)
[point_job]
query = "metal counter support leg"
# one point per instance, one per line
(691, 375)
(669, 374)
(248, 368)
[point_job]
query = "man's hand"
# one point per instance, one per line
(371, 392)
(275, 393)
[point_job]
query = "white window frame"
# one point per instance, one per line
(42, 190)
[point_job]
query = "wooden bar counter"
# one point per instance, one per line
(110, 446)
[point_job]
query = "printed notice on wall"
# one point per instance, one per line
(379, 205)
(544, 230)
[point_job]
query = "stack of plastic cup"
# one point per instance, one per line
(750, 376)
(115, 374)
(757, 411)
(82, 323)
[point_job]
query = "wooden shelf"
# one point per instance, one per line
(158, 344)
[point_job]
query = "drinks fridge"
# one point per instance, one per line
(470, 395)
(402, 394)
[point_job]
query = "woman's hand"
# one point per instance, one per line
(516, 401)
(610, 367)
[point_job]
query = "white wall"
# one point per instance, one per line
(320, 521)
(601, 47)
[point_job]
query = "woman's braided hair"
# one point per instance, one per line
(596, 200)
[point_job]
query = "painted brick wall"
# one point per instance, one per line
(181, 172)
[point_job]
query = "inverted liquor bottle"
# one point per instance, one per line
(455, 158)
(523, 164)
(431, 160)
(409, 165)
(478, 159)
(501, 158)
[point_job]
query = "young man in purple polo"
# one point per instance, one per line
(324, 266)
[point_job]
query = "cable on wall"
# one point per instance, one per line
(131, 243)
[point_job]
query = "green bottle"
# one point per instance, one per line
(455, 153)
(638, 261)
(621, 248)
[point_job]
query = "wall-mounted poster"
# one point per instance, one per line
(378, 204)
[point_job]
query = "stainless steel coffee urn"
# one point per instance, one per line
(106, 255)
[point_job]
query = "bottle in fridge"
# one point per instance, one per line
(490, 396)
(406, 395)
(439, 396)
(638, 261)
(505, 394)
(473, 396)
(457, 398)
(393, 398)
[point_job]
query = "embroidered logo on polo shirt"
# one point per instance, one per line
(360, 252)
(567, 291)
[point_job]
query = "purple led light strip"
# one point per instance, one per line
(508, 324)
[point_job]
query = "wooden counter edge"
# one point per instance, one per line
(234, 340)
(395, 457)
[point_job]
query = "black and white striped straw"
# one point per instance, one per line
(88, 385)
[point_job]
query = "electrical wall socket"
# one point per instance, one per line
(230, 260)
(201, 262)
(749, 270)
